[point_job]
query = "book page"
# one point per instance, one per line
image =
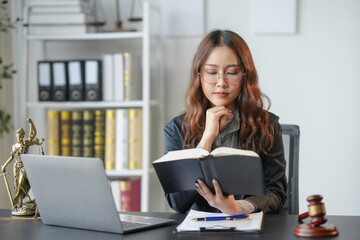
(225, 151)
(183, 154)
(253, 224)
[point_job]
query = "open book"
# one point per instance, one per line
(252, 224)
(238, 171)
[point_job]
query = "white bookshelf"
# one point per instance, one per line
(152, 93)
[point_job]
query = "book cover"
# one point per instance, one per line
(122, 139)
(77, 133)
(53, 132)
(88, 133)
(65, 136)
(110, 130)
(99, 134)
(130, 194)
(135, 139)
(132, 77)
(238, 171)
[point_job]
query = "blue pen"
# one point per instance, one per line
(225, 218)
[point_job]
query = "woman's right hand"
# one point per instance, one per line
(216, 120)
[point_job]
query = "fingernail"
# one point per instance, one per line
(214, 180)
(197, 185)
(199, 181)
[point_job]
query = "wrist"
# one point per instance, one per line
(206, 144)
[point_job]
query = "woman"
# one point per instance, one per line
(225, 108)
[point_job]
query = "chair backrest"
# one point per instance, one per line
(291, 136)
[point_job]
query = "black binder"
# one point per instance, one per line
(44, 81)
(60, 81)
(93, 90)
(76, 80)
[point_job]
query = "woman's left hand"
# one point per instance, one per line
(225, 204)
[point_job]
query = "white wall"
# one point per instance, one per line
(313, 80)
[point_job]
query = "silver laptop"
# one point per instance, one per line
(75, 192)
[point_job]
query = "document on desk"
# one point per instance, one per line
(251, 224)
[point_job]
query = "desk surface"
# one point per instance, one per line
(275, 227)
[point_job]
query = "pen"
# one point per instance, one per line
(225, 218)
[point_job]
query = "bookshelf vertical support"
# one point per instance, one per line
(146, 108)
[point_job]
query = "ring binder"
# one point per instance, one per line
(45, 81)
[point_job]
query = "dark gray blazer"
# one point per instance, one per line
(274, 172)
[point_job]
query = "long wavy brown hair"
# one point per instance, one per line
(256, 132)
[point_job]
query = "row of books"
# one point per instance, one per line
(127, 194)
(116, 78)
(114, 136)
(122, 77)
(56, 17)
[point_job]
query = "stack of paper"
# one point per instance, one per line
(252, 224)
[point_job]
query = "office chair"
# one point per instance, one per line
(291, 136)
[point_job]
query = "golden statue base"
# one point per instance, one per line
(27, 209)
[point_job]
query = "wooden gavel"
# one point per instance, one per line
(317, 226)
(316, 211)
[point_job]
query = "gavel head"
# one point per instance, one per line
(316, 210)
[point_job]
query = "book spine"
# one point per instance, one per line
(118, 77)
(88, 133)
(65, 126)
(130, 195)
(135, 195)
(108, 77)
(53, 132)
(122, 139)
(132, 77)
(99, 134)
(127, 75)
(77, 133)
(110, 130)
(125, 195)
(135, 139)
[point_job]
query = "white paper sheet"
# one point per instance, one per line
(253, 224)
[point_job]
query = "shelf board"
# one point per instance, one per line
(86, 36)
(126, 174)
(89, 104)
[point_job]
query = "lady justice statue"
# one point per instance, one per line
(20, 207)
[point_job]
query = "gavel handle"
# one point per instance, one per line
(303, 216)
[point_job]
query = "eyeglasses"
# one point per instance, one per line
(231, 77)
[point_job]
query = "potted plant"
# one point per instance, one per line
(5, 69)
